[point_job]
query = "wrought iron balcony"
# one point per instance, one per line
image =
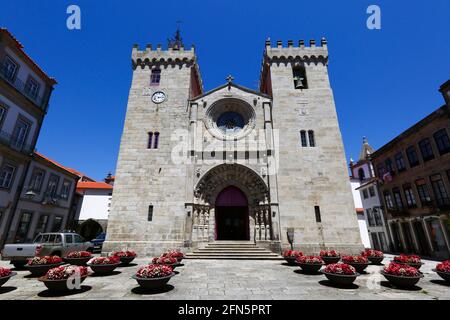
(23, 88)
(10, 141)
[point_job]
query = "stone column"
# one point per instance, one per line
(212, 224)
(427, 233)
(414, 236)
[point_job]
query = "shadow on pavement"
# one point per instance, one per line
(441, 282)
(7, 289)
(54, 294)
(99, 275)
(328, 283)
(389, 285)
(142, 291)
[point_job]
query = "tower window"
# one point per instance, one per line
(155, 146)
(150, 139)
(312, 141)
(317, 211)
(150, 213)
(303, 138)
(155, 77)
(299, 74)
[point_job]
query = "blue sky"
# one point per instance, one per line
(384, 80)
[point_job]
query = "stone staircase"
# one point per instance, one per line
(238, 250)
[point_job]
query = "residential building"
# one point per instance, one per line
(25, 91)
(362, 223)
(95, 203)
(45, 201)
(372, 211)
(413, 171)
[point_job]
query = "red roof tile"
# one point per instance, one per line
(93, 185)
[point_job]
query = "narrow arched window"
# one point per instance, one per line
(312, 141)
(150, 139)
(303, 138)
(155, 146)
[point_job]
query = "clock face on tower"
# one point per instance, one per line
(159, 97)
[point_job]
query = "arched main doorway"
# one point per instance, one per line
(232, 215)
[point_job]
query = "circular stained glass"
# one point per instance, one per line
(230, 122)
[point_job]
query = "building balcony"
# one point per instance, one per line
(12, 142)
(23, 88)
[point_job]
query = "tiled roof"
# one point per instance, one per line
(41, 156)
(93, 185)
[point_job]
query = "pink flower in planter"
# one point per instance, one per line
(340, 268)
(372, 253)
(443, 266)
(44, 260)
(62, 272)
(292, 254)
(401, 270)
(78, 254)
(4, 272)
(354, 259)
(310, 259)
(154, 271)
(329, 253)
(403, 258)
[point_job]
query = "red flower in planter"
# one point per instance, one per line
(127, 253)
(292, 254)
(310, 259)
(329, 253)
(4, 272)
(354, 259)
(174, 254)
(372, 253)
(403, 258)
(154, 271)
(78, 254)
(164, 260)
(444, 266)
(103, 260)
(44, 260)
(340, 268)
(60, 273)
(401, 270)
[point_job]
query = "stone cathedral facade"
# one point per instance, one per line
(232, 163)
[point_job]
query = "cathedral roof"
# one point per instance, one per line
(231, 84)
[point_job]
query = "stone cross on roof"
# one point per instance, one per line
(229, 80)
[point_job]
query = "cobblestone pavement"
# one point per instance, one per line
(235, 280)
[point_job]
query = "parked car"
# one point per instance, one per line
(53, 243)
(98, 242)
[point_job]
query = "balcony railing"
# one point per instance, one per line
(23, 88)
(10, 141)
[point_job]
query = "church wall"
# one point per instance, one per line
(145, 176)
(311, 176)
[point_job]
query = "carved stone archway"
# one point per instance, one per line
(216, 180)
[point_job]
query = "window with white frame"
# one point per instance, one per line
(37, 179)
(65, 189)
(6, 176)
(20, 133)
(9, 68)
(32, 87)
(52, 186)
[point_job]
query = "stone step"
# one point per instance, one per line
(232, 249)
(243, 257)
(232, 245)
